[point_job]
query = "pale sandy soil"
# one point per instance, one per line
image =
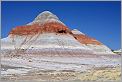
(60, 69)
(96, 74)
(64, 68)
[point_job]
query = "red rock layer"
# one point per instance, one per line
(51, 28)
(35, 28)
(25, 30)
(55, 27)
(85, 39)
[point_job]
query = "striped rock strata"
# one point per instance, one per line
(48, 32)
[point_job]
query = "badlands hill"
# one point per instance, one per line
(48, 32)
(47, 50)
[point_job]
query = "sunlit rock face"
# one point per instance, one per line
(44, 17)
(47, 31)
(84, 39)
(44, 22)
(91, 43)
(47, 48)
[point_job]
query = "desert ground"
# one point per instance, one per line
(41, 68)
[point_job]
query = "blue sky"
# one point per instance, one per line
(100, 20)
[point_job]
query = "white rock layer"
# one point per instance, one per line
(45, 17)
(75, 31)
(47, 40)
(100, 49)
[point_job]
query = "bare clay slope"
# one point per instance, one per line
(47, 50)
(45, 32)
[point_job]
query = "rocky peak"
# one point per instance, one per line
(45, 17)
(44, 22)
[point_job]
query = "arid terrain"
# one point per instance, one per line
(63, 68)
(47, 50)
